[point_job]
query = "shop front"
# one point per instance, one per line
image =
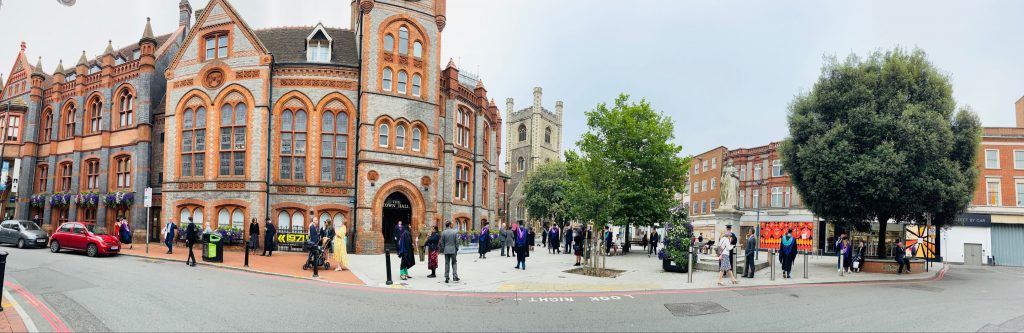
(969, 243)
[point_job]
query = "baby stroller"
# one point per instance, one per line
(316, 256)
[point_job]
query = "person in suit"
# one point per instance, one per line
(169, 231)
(900, 253)
(269, 244)
(191, 237)
(568, 239)
(503, 239)
(748, 267)
(450, 246)
(655, 238)
(509, 241)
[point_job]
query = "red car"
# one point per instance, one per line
(84, 236)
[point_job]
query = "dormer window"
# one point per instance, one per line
(119, 61)
(136, 54)
(70, 78)
(318, 45)
(94, 69)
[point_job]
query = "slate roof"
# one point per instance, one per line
(288, 45)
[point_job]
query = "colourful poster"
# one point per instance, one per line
(920, 241)
(772, 233)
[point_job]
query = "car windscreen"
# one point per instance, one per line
(29, 225)
(96, 229)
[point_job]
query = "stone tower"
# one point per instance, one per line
(534, 137)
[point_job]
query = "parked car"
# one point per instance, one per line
(84, 236)
(22, 233)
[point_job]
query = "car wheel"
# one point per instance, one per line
(54, 246)
(21, 243)
(92, 251)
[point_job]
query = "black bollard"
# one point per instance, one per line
(246, 241)
(387, 265)
(3, 269)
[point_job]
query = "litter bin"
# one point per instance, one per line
(213, 250)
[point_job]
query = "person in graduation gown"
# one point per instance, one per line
(520, 245)
(405, 252)
(787, 253)
(485, 240)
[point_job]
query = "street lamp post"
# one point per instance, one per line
(757, 224)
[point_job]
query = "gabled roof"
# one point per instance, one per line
(232, 14)
(288, 45)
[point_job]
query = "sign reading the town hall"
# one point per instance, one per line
(395, 204)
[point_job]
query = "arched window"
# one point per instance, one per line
(334, 146)
(403, 40)
(65, 177)
(231, 217)
(417, 49)
(383, 132)
(284, 221)
(389, 43)
(126, 109)
(123, 172)
(462, 128)
(547, 135)
(94, 113)
(416, 139)
(402, 79)
(385, 79)
(42, 178)
(46, 126)
(92, 175)
(522, 133)
(521, 165)
(416, 85)
(293, 144)
(195, 213)
(193, 142)
(400, 137)
(232, 139)
(67, 129)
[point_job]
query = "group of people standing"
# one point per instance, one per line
(850, 258)
(512, 239)
(433, 244)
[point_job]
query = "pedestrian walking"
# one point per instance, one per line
(577, 244)
(725, 251)
(254, 236)
(858, 256)
(531, 239)
(751, 248)
(421, 241)
(503, 239)
(655, 238)
(340, 246)
(520, 245)
(169, 233)
(553, 243)
(269, 238)
(191, 237)
(450, 246)
(405, 252)
(644, 240)
(484, 240)
(787, 254)
(432, 245)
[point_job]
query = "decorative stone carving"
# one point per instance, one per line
(214, 79)
(730, 187)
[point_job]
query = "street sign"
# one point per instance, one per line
(15, 175)
(148, 197)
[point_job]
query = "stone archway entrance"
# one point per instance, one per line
(396, 208)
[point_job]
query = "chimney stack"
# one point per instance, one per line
(1020, 112)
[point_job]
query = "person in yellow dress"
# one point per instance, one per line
(340, 248)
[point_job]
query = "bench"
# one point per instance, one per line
(889, 266)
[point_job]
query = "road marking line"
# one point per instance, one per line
(57, 324)
(29, 324)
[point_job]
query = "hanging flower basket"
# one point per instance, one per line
(38, 200)
(61, 200)
(119, 200)
(87, 199)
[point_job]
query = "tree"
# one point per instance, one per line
(545, 190)
(627, 169)
(880, 139)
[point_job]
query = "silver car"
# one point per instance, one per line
(23, 234)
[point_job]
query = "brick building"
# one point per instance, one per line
(704, 176)
(87, 129)
(362, 126)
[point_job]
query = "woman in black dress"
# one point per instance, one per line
(254, 236)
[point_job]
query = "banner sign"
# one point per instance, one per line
(772, 233)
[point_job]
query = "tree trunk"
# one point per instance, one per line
(883, 222)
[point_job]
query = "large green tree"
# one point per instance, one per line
(881, 138)
(627, 169)
(544, 192)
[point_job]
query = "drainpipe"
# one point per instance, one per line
(270, 134)
(359, 100)
(473, 184)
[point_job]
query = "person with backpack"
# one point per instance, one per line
(191, 237)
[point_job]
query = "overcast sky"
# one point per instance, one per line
(725, 71)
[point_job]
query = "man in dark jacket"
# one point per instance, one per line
(191, 237)
(655, 238)
(748, 267)
(450, 247)
(901, 257)
(269, 244)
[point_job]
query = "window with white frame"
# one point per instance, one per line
(743, 199)
(756, 199)
(385, 79)
(991, 159)
(993, 197)
(712, 204)
(696, 169)
(383, 133)
(757, 171)
(1018, 159)
(1020, 193)
(789, 196)
(703, 206)
(704, 185)
(776, 168)
(714, 163)
(712, 184)
(777, 197)
(704, 166)
(743, 172)
(695, 188)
